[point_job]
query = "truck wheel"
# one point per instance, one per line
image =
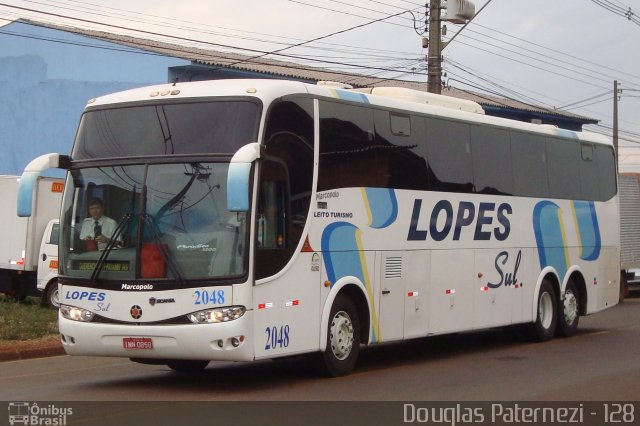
(343, 338)
(15, 297)
(547, 314)
(52, 295)
(569, 311)
(624, 286)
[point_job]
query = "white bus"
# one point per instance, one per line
(259, 219)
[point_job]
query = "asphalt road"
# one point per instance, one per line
(601, 363)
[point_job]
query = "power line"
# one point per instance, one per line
(402, 67)
(217, 56)
(344, 13)
(574, 104)
(560, 59)
(625, 12)
(532, 65)
(126, 15)
(322, 37)
(120, 27)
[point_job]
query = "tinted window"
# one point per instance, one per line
(437, 154)
(529, 159)
(347, 148)
(165, 129)
(449, 154)
(491, 150)
(563, 168)
(605, 163)
(286, 178)
(401, 150)
(589, 186)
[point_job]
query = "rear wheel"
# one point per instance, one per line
(188, 366)
(343, 338)
(545, 326)
(569, 311)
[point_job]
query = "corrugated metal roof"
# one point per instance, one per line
(291, 70)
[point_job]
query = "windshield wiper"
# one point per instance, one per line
(110, 245)
(114, 237)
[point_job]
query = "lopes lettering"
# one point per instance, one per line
(487, 220)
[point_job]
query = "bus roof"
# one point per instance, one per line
(267, 91)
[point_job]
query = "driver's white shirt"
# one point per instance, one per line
(108, 228)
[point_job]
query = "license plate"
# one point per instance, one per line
(137, 343)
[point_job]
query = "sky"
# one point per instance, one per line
(553, 53)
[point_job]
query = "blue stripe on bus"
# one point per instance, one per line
(343, 256)
(341, 252)
(352, 96)
(566, 133)
(382, 205)
(550, 237)
(587, 226)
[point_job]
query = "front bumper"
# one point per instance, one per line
(212, 342)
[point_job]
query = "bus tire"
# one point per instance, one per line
(343, 338)
(187, 366)
(544, 327)
(569, 311)
(52, 295)
(624, 286)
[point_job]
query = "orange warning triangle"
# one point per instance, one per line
(306, 247)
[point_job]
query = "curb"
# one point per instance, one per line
(39, 352)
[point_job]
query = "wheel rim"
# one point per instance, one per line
(341, 335)
(55, 298)
(545, 310)
(570, 307)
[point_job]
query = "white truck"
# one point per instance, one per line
(29, 246)
(629, 191)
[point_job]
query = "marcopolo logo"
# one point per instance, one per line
(126, 286)
(27, 413)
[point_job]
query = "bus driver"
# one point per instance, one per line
(98, 228)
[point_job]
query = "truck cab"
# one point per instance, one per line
(47, 279)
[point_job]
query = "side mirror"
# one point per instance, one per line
(238, 177)
(30, 176)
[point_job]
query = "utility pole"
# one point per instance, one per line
(458, 12)
(615, 119)
(434, 56)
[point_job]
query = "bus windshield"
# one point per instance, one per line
(219, 127)
(159, 221)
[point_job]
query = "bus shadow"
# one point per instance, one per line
(229, 379)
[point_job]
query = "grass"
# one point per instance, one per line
(26, 320)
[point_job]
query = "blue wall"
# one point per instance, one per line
(46, 78)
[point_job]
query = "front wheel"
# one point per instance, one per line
(343, 338)
(547, 314)
(52, 295)
(569, 311)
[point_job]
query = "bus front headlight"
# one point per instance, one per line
(76, 314)
(217, 315)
